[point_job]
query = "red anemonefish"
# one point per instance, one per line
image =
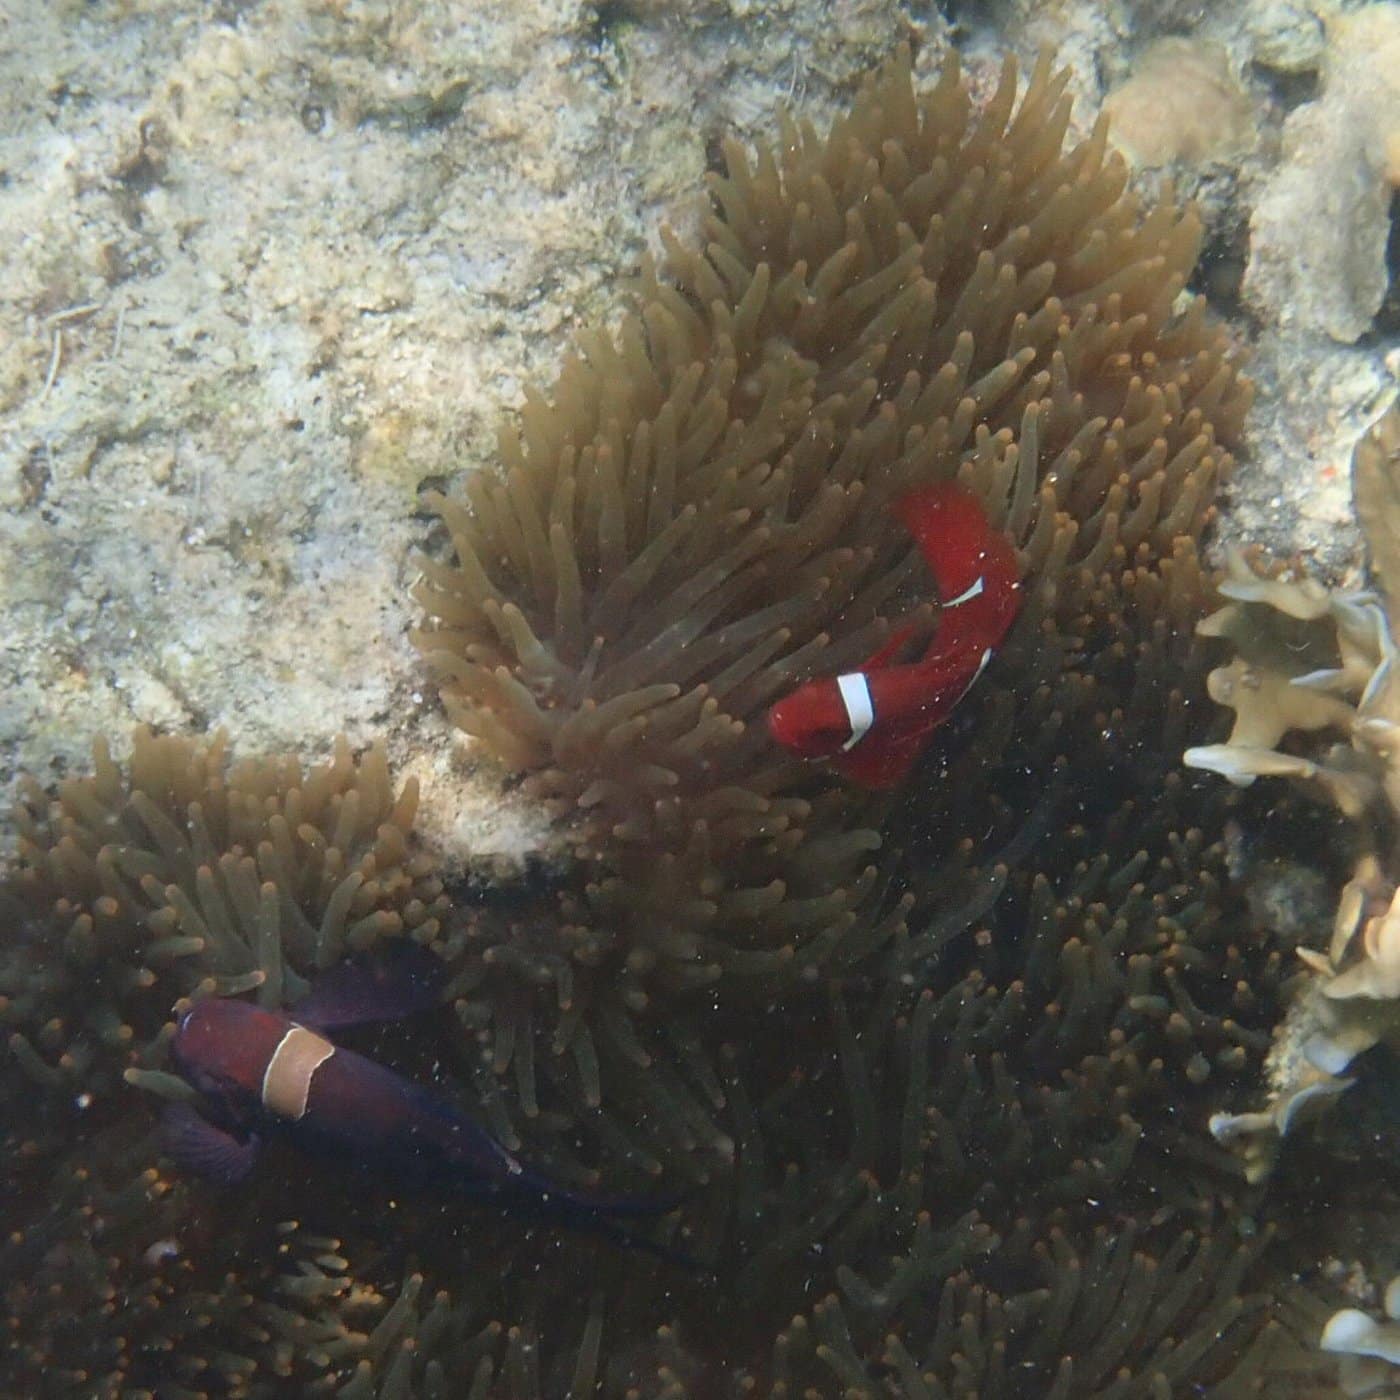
(873, 723)
(258, 1072)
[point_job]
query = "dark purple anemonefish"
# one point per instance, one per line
(259, 1072)
(872, 724)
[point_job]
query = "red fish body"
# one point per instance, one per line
(258, 1072)
(872, 724)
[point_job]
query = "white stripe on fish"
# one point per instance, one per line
(286, 1084)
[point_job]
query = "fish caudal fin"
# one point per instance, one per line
(965, 555)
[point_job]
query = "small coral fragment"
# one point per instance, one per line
(1371, 1346)
(1181, 103)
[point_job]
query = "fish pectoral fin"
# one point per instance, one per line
(884, 763)
(196, 1144)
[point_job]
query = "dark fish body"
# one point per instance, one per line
(264, 1070)
(260, 1071)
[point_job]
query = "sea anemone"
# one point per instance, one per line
(697, 518)
(935, 1061)
(186, 875)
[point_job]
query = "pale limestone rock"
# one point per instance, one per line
(1318, 231)
(266, 270)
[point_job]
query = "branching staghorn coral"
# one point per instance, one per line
(1313, 686)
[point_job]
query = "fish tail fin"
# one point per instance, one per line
(958, 543)
(607, 1227)
(603, 1216)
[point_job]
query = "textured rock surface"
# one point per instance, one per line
(275, 268)
(1320, 227)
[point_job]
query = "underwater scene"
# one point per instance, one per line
(698, 699)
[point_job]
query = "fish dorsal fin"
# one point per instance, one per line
(403, 983)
